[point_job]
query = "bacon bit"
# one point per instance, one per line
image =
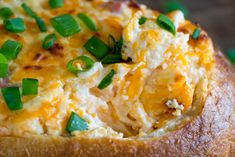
(203, 37)
(38, 57)
(112, 6)
(16, 37)
(115, 6)
(183, 30)
(57, 50)
(133, 4)
(4, 82)
(32, 67)
(72, 11)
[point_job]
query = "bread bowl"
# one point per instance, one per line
(176, 102)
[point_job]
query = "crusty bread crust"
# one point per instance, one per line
(212, 133)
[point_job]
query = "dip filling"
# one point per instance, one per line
(97, 68)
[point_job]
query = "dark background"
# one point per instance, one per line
(217, 17)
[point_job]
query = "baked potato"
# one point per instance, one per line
(110, 78)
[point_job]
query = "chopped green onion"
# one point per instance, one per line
(28, 10)
(3, 66)
(12, 98)
(88, 21)
(172, 5)
(76, 123)
(115, 46)
(142, 20)
(56, 3)
(231, 55)
(97, 47)
(41, 24)
(196, 33)
(49, 41)
(14, 25)
(5, 12)
(29, 86)
(11, 49)
(112, 58)
(80, 64)
(107, 80)
(120, 43)
(112, 43)
(165, 23)
(65, 25)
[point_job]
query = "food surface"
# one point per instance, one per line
(100, 69)
(110, 78)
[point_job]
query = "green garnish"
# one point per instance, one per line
(29, 86)
(172, 5)
(14, 25)
(49, 41)
(165, 23)
(28, 10)
(90, 23)
(12, 98)
(112, 58)
(76, 123)
(3, 66)
(80, 64)
(56, 3)
(11, 49)
(196, 33)
(65, 25)
(5, 12)
(107, 80)
(97, 47)
(114, 45)
(41, 24)
(142, 20)
(231, 55)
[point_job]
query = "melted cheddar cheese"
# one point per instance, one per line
(164, 67)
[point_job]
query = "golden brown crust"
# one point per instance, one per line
(210, 134)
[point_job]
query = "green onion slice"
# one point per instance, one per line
(56, 3)
(14, 25)
(28, 10)
(5, 12)
(231, 55)
(142, 20)
(76, 123)
(196, 33)
(112, 43)
(41, 24)
(29, 86)
(90, 23)
(172, 5)
(12, 98)
(11, 49)
(65, 25)
(165, 23)
(3, 66)
(97, 47)
(107, 80)
(80, 64)
(120, 44)
(112, 58)
(49, 41)
(115, 46)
